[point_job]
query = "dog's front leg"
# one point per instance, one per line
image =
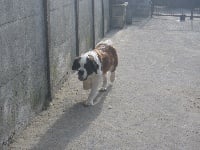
(104, 86)
(94, 91)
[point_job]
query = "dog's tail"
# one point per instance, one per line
(108, 42)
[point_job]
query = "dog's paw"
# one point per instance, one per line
(88, 103)
(102, 89)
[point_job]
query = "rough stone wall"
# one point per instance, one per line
(62, 41)
(23, 76)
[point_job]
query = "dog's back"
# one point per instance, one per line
(108, 56)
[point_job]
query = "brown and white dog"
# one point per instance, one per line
(93, 66)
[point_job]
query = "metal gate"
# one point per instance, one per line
(188, 8)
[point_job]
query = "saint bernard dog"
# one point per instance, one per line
(93, 67)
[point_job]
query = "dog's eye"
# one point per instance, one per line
(88, 67)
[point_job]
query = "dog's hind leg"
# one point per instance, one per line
(112, 77)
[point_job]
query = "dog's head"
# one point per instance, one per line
(85, 65)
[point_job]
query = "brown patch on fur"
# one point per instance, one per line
(108, 57)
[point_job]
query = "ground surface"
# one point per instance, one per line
(154, 103)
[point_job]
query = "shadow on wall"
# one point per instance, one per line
(71, 125)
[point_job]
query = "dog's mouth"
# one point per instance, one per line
(81, 78)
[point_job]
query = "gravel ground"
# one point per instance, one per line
(154, 103)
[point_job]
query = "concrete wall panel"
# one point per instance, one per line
(62, 40)
(85, 25)
(98, 18)
(106, 7)
(23, 76)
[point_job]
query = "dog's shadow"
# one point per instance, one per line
(71, 124)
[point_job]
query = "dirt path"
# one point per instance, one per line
(154, 103)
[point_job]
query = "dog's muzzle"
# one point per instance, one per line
(81, 75)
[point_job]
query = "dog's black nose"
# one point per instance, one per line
(80, 72)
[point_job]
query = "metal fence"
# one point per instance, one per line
(176, 8)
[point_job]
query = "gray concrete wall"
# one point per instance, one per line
(62, 34)
(106, 15)
(23, 76)
(25, 57)
(86, 29)
(85, 25)
(62, 41)
(98, 17)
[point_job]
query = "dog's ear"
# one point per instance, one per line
(94, 64)
(76, 64)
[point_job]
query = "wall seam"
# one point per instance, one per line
(46, 5)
